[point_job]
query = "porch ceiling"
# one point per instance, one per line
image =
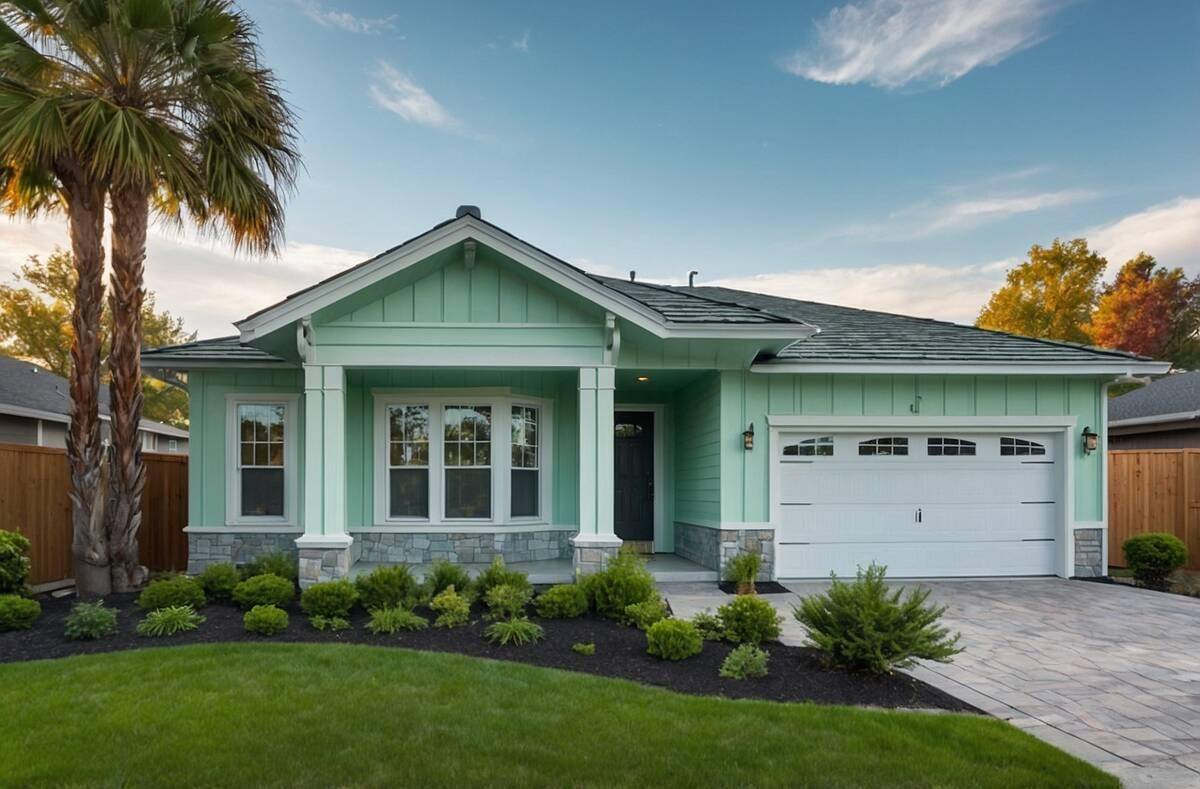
(659, 382)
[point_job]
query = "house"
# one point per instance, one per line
(1165, 414)
(35, 409)
(466, 394)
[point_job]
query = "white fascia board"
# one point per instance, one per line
(1181, 416)
(967, 368)
(185, 363)
(869, 423)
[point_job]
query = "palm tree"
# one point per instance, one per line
(164, 106)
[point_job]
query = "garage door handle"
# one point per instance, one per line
(918, 514)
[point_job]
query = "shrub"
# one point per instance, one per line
(329, 599)
(673, 639)
(497, 575)
(565, 601)
(218, 581)
(333, 623)
(269, 589)
(174, 591)
(862, 627)
(622, 583)
(1153, 557)
(749, 620)
(280, 564)
(646, 613)
(387, 587)
(745, 662)
(444, 574)
(584, 649)
(743, 570)
(18, 613)
(453, 609)
(507, 602)
(392, 619)
(517, 632)
(88, 621)
(169, 621)
(14, 562)
(266, 620)
(710, 626)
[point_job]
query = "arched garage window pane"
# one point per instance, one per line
(887, 445)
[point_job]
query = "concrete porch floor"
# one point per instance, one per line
(666, 568)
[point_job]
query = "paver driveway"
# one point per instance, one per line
(1106, 672)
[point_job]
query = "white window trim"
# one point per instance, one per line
(291, 460)
(501, 405)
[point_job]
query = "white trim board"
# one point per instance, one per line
(919, 367)
(871, 423)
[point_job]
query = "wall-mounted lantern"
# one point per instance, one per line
(748, 438)
(1090, 440)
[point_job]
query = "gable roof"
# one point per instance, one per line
(1171, 398)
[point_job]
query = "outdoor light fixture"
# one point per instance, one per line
(643, 379)
(1090, 439)
(748, 438)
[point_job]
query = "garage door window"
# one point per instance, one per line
(1017, 447)
(949, 447)
(886, 446)
(810, 447)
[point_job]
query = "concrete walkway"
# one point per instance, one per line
(1108, 673)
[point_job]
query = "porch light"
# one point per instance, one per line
(1090, 440)
(643, 379)
(748, 438)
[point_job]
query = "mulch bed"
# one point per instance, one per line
(795, 673)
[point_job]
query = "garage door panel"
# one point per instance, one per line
(918, 559)
(835, 483)
(938, 523)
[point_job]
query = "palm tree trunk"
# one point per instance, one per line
(130, 206)
(89, 549)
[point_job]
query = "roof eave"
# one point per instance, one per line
(1155, 419)
(865, 366)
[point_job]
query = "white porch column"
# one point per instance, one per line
(596, 541)
(325, 546)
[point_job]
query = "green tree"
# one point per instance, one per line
(1150, 310)
(1051, 295)
(35, 324)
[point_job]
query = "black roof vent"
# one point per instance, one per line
(468, 210)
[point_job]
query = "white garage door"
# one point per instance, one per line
(924, 504)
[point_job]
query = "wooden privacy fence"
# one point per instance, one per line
(33, 500)
(1154, 490)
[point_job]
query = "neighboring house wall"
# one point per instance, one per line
(54, 434)
(17, 430)
(1164, 439)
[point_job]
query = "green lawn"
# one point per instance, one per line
(324, 715)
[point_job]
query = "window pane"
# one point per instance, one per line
(262, 492)
(260, 423)
(395, 454)
(260, 454)
(276, 455)
(524, 494)
(483, 454)
(469, 493)
(247, 454)
(451, 451)
(409, 493)
(246, 422)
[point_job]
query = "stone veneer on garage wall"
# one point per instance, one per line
(236, 547)
(713, 548)
(1089, 562)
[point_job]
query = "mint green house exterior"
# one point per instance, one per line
(466, 395)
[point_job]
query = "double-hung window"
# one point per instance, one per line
(261, 487)
(523, 489)
(467, 433)
(408, 461)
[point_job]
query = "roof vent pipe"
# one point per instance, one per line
(632, 276)
(468, 210)
(692, 278)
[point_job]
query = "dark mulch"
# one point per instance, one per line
(795, 673)
(761, 587)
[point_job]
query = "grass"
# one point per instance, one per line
(324, 715)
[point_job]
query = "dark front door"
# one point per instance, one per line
(633, 475)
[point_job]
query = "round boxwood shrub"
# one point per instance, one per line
(387, 587)
(266, 620)
(749, 620)
(565, 601)
(330, 599)
(1153, 557)
(218, 581)
(745, 662)
(497, 574)
(18, 613)
(89, 621)
(673, 639)
(14, 562)
(624, 582)
(264, 590)
(167, 592)
(280, 564)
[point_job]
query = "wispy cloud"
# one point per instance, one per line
(522, 44)
(1169, 231)
(892, 43)
(972, 213)
(343, 20)
(397, 92)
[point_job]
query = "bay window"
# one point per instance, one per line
(523, 498)
(468, 460)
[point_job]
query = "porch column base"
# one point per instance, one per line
(323, 558)
(590, 553)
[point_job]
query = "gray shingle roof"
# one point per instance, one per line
(218, 349)
(1172, 394)
(685, 306)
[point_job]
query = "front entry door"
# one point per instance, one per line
(633, 476)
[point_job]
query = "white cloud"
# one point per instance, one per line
(891, 43)
(398, 93)
(522, 44)
(343, 20)
(1168, 231)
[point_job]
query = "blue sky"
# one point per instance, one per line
(878, 153)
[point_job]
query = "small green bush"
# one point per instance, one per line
(444, 574)
(622, 583)
(710, 626)
(745, 662)
(18, 613)
(516, 632)
(89, 621)
(280, 564)
(1153, 557)
(174, 591)
(497, 574)
(268, 589)
(218, 581)
(743, 570)
(861, 626)
(749, 620)
(387, 586)
(392, 619)
(266, 620)
(14, 562)
(169, 621)
(333, 623)
(452, 608)
(507, 602)
(564, 601)
(673, 639)
(644, 614)
(588, 649)
(329, 599)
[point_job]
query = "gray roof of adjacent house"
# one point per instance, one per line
(1170, 398)
(27, 389)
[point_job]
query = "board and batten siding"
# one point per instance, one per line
(698, 451)
(747, 397)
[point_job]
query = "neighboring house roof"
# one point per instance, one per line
(29, 390)
(1172, 398)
